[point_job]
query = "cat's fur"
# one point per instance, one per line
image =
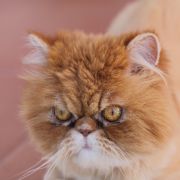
(86, 73)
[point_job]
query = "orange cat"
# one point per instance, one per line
(103, 106)
(99, 106)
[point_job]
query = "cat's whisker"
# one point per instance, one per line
(33, 170)
(50, 169)
(64, 164)
(29, 169)
(32, 167)
(52, 164)
(61, 154)
(66, 156)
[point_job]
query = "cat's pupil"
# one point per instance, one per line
(112, 112)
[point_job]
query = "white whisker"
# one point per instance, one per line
(34, 169)
(64, 152)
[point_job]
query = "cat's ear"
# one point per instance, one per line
(40, 47)
(144, 51)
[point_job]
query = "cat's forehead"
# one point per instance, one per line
(83, 94)
(85, 66)
(80, 90)
(93, 52)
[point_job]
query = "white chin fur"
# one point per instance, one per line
(92, 159)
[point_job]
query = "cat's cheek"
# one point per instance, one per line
(47, 136)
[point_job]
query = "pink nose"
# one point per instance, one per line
(85, 132)
(85, 126)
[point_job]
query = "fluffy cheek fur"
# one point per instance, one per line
(146, 126)
(36, 111)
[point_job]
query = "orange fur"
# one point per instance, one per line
(87, 73)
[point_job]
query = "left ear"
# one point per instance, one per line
(144, 50)
(40, 48)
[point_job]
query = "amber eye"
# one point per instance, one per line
(112, 113)
(62, 115)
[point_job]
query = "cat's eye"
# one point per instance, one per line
(61, 116)
(112, 113)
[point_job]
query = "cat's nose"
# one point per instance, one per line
(85, 132)
(85, 126)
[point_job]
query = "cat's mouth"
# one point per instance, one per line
(86, 145)
(90, 152)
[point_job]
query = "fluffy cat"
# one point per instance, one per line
(100, 107)
(67, 98)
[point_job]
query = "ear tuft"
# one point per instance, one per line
(40, 50)
(37, 42)
(145, 49)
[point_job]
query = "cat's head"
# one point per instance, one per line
(96, 102)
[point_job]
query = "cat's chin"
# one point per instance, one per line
(91, 156)
(88, 158)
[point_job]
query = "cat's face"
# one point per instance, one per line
(91, 105)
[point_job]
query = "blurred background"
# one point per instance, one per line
(48, 16)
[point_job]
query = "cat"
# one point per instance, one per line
(100, 107)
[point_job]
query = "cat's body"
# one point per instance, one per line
(100, 107)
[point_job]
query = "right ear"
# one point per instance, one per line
(144, 50)
(40, 48)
